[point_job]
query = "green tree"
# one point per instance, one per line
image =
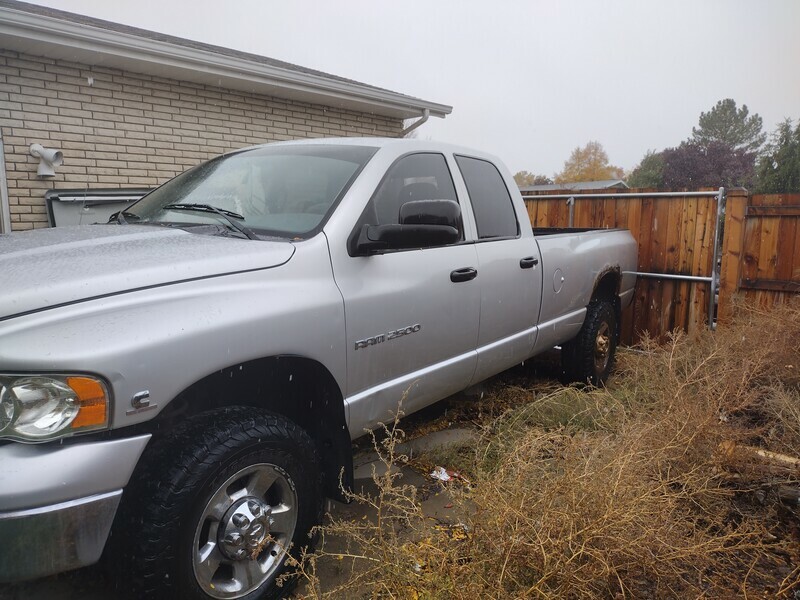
(649, 173)
(524, 178)
(732, 126)
(779, 167)
(589, 163)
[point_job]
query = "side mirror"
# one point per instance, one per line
(431, 212)
(423, 224)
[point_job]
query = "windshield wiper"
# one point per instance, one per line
(228, 215)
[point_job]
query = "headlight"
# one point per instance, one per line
(45, 407)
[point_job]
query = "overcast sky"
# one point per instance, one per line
(528, 80)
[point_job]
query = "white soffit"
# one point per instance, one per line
(43, 35)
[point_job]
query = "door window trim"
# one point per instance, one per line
(478, 239)
(352, 239)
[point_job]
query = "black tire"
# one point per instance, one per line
(589, 357)
(190, 497)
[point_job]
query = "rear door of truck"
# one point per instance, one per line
(509, 269)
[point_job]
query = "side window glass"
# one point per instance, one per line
(491, 202)
(414, 177)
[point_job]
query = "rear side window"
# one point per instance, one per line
(491, 202)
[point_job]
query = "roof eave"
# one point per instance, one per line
(53, 37)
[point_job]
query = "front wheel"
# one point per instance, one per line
(225, 500)
(589, 357)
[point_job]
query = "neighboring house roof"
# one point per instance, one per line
(604, 184)
(43, 31)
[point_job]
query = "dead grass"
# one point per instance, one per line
(651, 488)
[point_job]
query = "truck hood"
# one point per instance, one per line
(44, 268)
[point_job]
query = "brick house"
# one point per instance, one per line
(131, 108)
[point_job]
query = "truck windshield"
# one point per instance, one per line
(279, 190)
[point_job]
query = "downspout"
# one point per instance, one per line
(425, 115)
(5, 211)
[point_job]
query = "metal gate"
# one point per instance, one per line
(679, 237)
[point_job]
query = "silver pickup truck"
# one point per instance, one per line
(179, 388)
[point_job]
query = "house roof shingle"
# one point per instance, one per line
(603, 184)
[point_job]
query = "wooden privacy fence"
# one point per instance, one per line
(675, 232)
(679, 236)
(761, 250)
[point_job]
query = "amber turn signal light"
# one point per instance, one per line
(93, 402)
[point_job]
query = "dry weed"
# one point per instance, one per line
(660, 486)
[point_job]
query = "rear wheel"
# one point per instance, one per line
(589, 357)
(224, 501)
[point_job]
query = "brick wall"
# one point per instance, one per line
(120, 129)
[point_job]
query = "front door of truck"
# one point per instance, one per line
(411, 315)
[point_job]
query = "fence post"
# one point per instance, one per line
(732, 245)
(715, 257)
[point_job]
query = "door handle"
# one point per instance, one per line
(465, 274)
(528, 262)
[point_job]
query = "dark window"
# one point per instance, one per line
(413, 177)
(491, 202)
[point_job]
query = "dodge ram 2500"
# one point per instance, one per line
(180, 386)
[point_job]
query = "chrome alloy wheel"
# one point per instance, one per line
(244, 532)
(602, 347)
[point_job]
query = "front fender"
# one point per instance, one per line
(163, 339)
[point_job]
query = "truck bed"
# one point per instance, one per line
(568, 254)
(541, 231)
